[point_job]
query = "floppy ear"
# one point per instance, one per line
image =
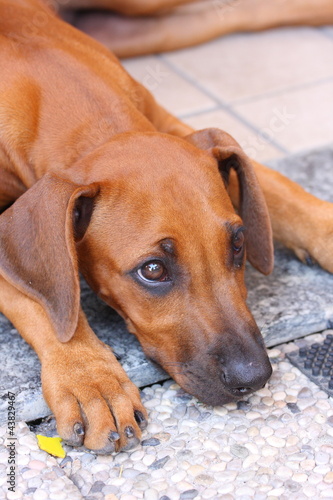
(37, 247)
(252, 207)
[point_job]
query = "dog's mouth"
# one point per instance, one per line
(232, 366)
(214, 392)
(214, 386)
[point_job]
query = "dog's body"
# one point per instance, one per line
(137, 27)
(99, 178)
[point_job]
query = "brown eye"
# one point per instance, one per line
(153, 271)
(238, 242)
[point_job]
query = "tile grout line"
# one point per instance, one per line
(324, 33)
(285, 90)
(184, 116)
(248, 124)
(246, 100)
(185, 76)
(221, 105)
(212, 109)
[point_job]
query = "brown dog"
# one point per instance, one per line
(98, 178)
(136, 27)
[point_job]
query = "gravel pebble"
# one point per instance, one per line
(151, 494)
(277, 443)
(322, 458)
(189, 494)
(40, 495)
(158, 464)
(329, 477)
(150, 442)
(239, 451)
(305, 392)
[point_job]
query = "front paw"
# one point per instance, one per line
(93, 400)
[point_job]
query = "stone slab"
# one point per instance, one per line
(294, 301)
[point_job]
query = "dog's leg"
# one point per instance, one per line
(93, 400)
(199, 22)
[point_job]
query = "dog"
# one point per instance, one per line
(138, 27)
(97, 178)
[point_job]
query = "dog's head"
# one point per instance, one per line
(151, 226)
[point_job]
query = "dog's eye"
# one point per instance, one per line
(238, 242)
(153, 271)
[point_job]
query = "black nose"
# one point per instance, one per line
(243, 376)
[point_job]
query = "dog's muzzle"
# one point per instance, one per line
(220, 376)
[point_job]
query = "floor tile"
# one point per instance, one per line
(170, 89)
(254, 144)
(296, 120)
(242, 66)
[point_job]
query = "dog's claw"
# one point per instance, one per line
(77, 436)
(132, 440)
(114, 436)
(305, 257)
(309, 262)
(129, 432)
(140, 419)
(78, 429)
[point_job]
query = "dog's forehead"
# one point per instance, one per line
(159, 164)
(155, 154)
(144, 209)
(160, 188)
(175, 186)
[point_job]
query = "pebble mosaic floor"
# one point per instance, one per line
(276, 444)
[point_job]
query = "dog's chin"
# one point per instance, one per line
(208, 390)
(212, 394)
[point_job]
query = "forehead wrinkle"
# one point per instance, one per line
(168, 246)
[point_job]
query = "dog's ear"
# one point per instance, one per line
(252, 206)
(37, 247)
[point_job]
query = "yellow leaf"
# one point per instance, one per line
(51, 445)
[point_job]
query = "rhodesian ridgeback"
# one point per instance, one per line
(96, 177)
(136, 27)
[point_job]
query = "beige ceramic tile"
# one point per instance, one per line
(254, 144)
(242, 66)
(297, 120)
(172, 91)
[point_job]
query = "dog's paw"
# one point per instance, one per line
(318, 237)
(93, 400)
